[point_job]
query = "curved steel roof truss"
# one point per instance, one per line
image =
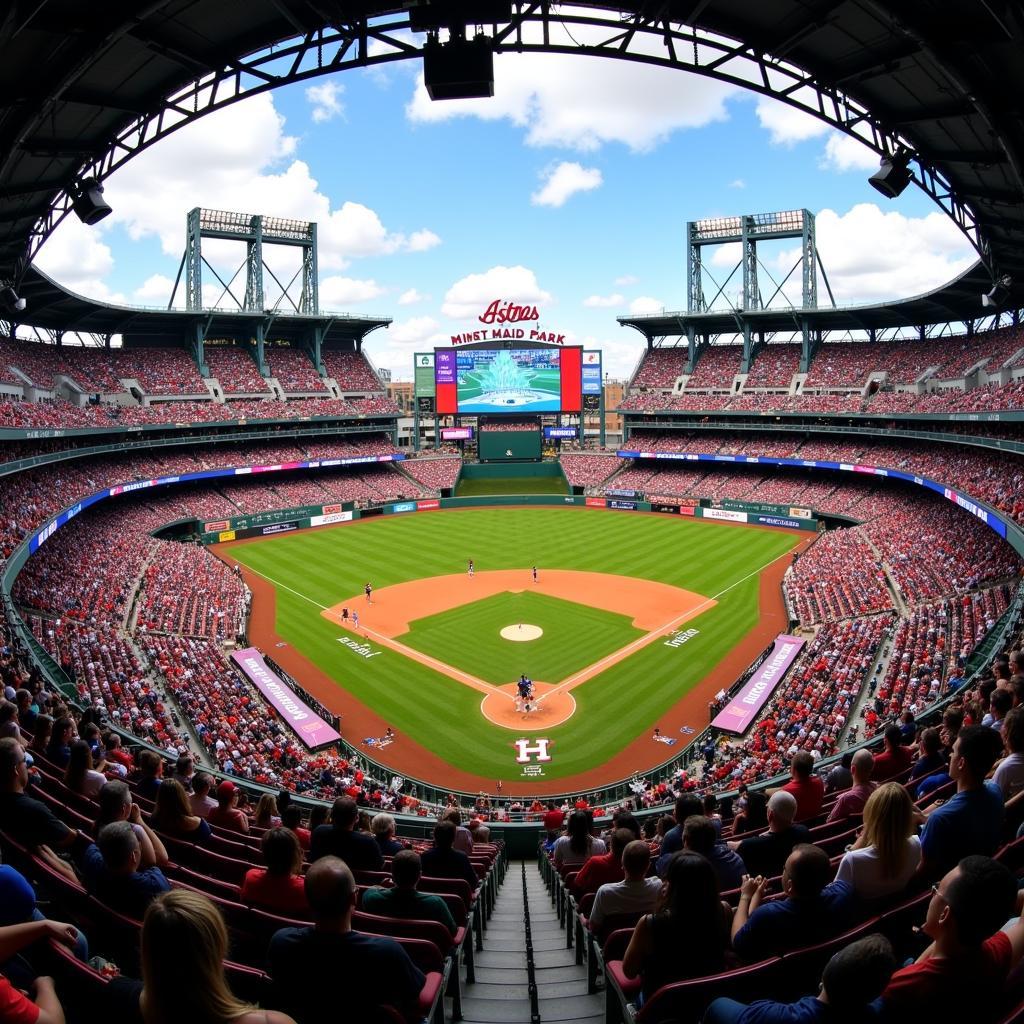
(535, 28)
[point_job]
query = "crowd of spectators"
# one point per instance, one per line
(518, 426)
(435, 474)
(294, 371)
(588, 470)
(351, 372)
(774, 366)
(716, 369)
(660, 368)
(235, 370)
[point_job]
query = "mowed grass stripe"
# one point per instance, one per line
(439, 713)
(470, 637)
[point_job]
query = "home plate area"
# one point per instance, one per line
(521, 632)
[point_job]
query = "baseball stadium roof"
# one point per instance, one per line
(83, 87)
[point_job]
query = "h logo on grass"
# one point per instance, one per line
(528, 750)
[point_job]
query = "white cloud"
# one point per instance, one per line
(238, 158)
(412, 297)
(470, 296)
(339, 292)
(604, 301)
(421, 241)
(415, 330)
(788, 125)
(155, 289)
(737, 183)
(580, 103)
(646, 304)
(324, 99)
(563, 181)
(626, 281)
(845, 153)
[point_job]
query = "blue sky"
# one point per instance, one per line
(570, 191)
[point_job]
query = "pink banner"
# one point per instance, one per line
(737, 715)
(306, 723)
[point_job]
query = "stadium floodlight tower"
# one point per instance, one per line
(255, 230)
(749, 229)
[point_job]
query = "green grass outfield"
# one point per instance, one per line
(511, 485)
(321, 567)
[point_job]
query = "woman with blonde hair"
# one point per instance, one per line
(266, 815)
(887, 851)
(184, 944)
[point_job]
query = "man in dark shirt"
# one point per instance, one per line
(112, 875)
(766, 854)
(687, 805)
(441, 861)
(699, 835)
(403, 900)
(24, 819)
(339, 839)
(812, 911)
(370, 970)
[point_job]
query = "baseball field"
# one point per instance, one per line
(633, 621)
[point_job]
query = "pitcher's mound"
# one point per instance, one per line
(522, 631)
(549, 711)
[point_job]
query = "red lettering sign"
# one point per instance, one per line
(330, 510)
(216, 527)
(426, 506)
(496, 313)
(595, 502)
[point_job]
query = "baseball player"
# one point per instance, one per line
(368, 590)
(535, 574)
(355, 621)
(470, 569)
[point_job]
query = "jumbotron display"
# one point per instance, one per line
(508, 380)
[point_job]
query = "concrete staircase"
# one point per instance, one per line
(503, 990)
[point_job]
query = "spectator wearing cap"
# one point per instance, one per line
(226, 814)
(895, 758)
(811, 912)
(403, 900)
(340, 839)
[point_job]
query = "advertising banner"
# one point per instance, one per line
(403, 506)
(620, 492)
(619, 503)
(801, 513)
(216, 527)
(331, 517)
(792, 524)
(273, 528)
(456, 433)
(725, 514)
(741, 711)
(329, 510)
(429, 505)
(687, 510)
(308, 726)
(671, 509)
(594, 503)
(553, 433)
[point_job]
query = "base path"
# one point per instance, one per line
(658, 608)
(649, 604)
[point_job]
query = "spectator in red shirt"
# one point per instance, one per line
(961, 974)
(808, 789)
(604, 867)
(554, 818)
(279, 886)
(45, 1008)
(895, 758)
(226, 814)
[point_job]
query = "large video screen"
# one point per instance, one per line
(508, 380)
